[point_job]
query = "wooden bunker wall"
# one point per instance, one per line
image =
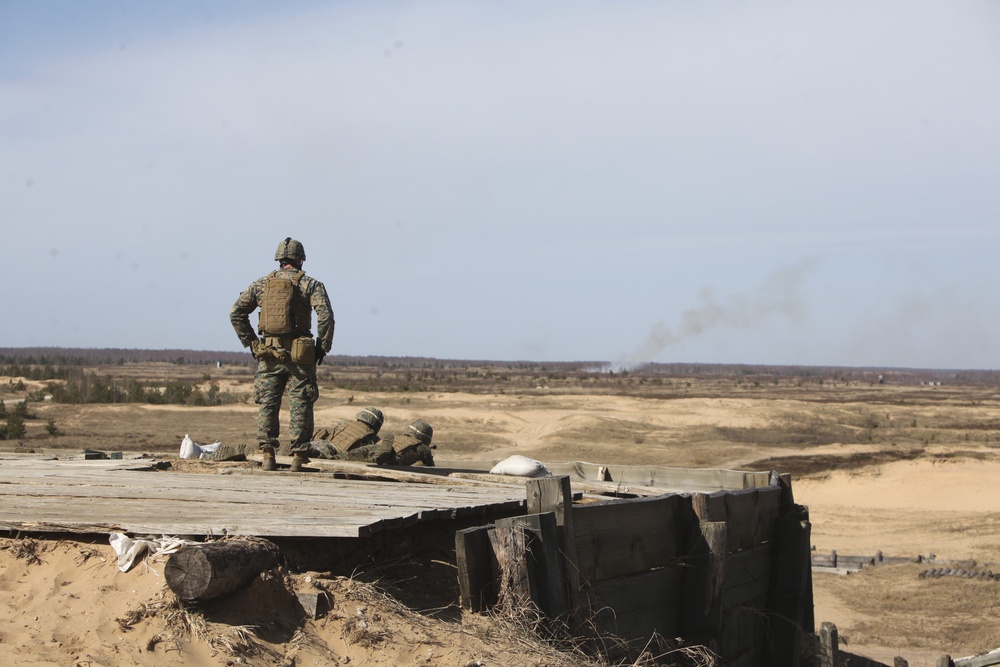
(727, 570)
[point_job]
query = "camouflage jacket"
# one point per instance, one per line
(408, 450)
(311, 289)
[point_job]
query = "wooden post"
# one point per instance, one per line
(701, 603)
(514, 592)
(555, 494)
(544, 561)
(829, 649)
(790, 598)
(476, 564)
(204, 571)
(551, 494)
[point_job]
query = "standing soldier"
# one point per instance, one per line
(285, 350)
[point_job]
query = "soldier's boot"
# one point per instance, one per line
(269, 463)
(298, 460)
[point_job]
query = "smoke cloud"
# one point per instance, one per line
(779, 295)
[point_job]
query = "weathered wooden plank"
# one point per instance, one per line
(710, 506)
(741, 518)
(476, 563)
(742, 632)
(555, 495)
(545, 562)
(635, 606)
(626, 536)
(983, 660)
(747, 576)
(752, 657)
(790, 599)
(103, 496)
(515, 590)
(701, 594)
(749, 513)
(768, 507)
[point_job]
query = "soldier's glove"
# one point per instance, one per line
(320, 352)
(254, 347)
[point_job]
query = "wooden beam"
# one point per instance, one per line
(636, 606)
(704, 575)
(790, 599)
(545, 562)
(623, 537)
(476, 569)
(747, 576)
(514, 592)
(555, 494)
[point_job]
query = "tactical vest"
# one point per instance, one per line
(409, 450)
(348, 435)
(284, 309)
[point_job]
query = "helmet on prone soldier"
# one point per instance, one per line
(421, 430)
(372, 417)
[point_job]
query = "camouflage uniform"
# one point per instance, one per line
(347, 435)
(275, 375)
(409, 450)
(400, 449)
(380, 452)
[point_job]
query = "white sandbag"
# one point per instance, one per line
(208, 449)
(189, 448)
(521, 466)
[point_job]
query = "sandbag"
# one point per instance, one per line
(520, 466)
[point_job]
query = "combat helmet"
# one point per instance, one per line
(421, 430)
(290, 249)
(372, 417)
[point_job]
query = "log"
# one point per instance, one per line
(204, 571)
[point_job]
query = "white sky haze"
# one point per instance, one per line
(771, 182)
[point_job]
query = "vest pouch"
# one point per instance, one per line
(304, 350)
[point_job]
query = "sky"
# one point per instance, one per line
(726, 182)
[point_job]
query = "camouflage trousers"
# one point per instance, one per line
(379, 452)
(269, 385)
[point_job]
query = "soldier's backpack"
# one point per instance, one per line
(277, 307)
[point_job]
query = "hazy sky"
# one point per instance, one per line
(767, 182)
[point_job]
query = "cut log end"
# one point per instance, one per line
(206, 571)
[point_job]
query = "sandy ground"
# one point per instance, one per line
(909, 473)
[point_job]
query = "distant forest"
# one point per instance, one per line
(88, 357)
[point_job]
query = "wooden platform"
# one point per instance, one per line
(131, 496)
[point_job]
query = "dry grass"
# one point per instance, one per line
(891, 597)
